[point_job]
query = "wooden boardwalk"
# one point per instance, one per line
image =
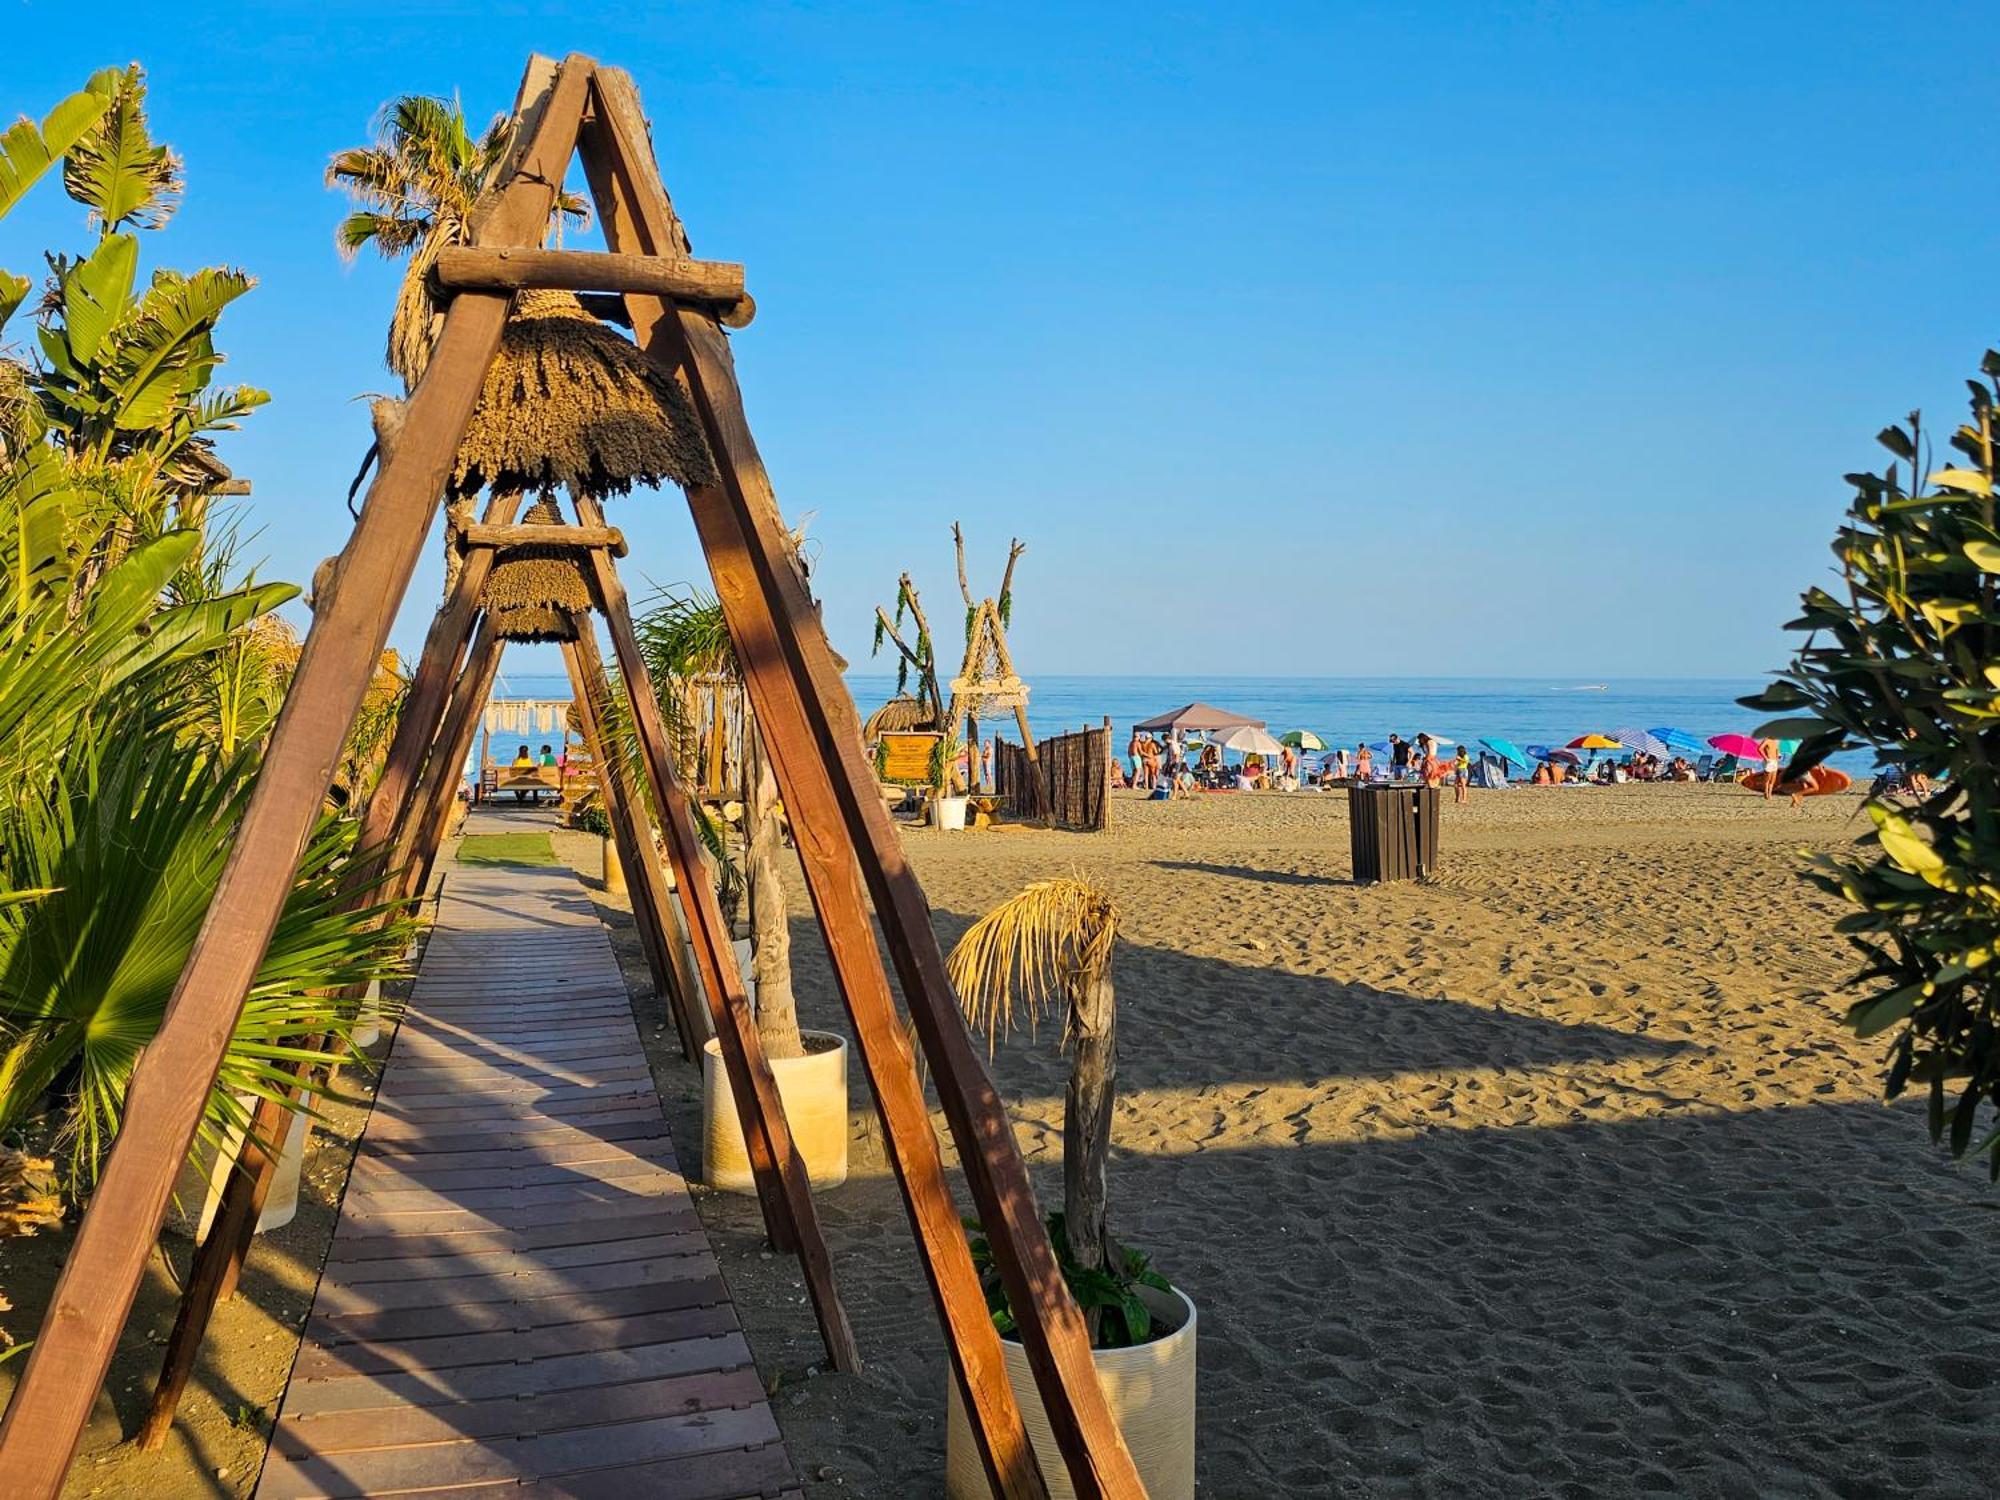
(519, 1300)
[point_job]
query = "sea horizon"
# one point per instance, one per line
(1346, 710)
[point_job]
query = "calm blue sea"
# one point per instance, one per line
(1345, 710)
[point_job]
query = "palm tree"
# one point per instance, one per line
(417, 186)
(1054, 940)
(686, 639)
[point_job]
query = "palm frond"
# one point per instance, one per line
(1031, 953)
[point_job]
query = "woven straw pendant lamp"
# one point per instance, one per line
(571, 404)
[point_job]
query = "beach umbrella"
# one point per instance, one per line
(1302, 739)
(1680, 740)
(1595, 742)
(1507, 750)
(1250, 739)
(1566, 757)
(1642, 740)
(1739, 745)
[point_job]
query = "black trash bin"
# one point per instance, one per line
(1392, 830)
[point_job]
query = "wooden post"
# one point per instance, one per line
(171, 1082)
(414, 849)
(782, 1187)
(813, 736)
(666, 952)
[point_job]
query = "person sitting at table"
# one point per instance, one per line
(523, 764)
(548, 755)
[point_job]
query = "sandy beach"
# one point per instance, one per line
(1555, 1175)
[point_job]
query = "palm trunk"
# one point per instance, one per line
(1093, 1077)
(770, 923)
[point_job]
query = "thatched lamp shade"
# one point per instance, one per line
(568, 402)
(532, 591)
(533, 622)
(900, 715)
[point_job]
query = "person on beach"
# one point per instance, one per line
(1773, 757)
(1291, 759)
(1340, 763)
(1149, 751)
(1461, 776)
(1132, 754)
(1364, 763)
(1399, 757)
(548, 756)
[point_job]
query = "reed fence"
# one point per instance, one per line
(1066, 783)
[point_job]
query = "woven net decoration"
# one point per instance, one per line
(569, 403)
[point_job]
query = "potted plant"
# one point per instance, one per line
(685, 639)
(1052, 944)
(948, 801)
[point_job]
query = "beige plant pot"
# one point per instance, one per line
(198, 1192)
(614, 869)
(949, 813)
(368, 1019)
(814, 1091)
(1151, 1392)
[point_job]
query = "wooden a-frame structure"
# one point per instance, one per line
(987, 678)
(676, 308)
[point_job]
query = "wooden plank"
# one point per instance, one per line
(403, 1427)
(341, 1393)
(318, 1361)
(339, 1300)
(780, 1175)
(813, 735)
(485, 538)
(163, 1104)
(661, 1219)
(394, 1470)
(717, 284)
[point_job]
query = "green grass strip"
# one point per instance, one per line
(506, 849)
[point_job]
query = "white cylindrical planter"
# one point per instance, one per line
(743, 967)
(368, 1017)
(949, 812)
(814, 1091)
(1150, 1389)
(202, 1179)
(614, 869)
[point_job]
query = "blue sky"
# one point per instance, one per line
(1325, 339)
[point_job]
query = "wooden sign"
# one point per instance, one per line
(906, 758)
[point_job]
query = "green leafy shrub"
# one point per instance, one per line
(1107, 1294)
(1904, 658)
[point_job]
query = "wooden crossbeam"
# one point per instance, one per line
(481, 537)
(715, 284)
(813, 735)
(171, 1082)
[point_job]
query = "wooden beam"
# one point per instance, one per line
(780, 1174)
(422, 833)
(813, 732)
(674, 979)
(478, 537)
(171, 1082)
(716, 284)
